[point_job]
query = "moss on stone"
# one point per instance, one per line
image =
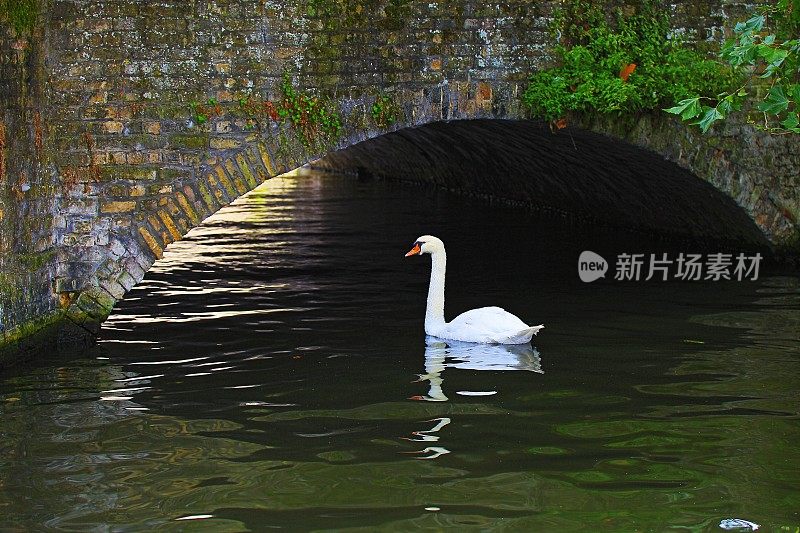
(189, 141)
(34, 262)
(7, 285)
(29, 328)
(45, 332)
(20, 14)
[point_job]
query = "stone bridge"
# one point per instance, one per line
(125, 123)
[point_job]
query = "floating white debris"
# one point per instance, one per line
(433, 509)
(476, 393)
(738, 523)
(195, 517)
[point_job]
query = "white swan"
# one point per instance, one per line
(487, 325)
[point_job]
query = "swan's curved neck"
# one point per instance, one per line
(434, 314)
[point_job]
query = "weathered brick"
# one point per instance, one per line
(244, 168)
(118, 207)
(236, 177)
(128, 172)
(207, 197)
(152, 244)
(153, 128)
(219, 171)
(187, 208)
(223, 143)
(113, 126)
(170, 225)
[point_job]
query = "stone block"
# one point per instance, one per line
(169, 224)
(67, 285)
(113, 126)
(118, 207)
(117, 249)
(222, 179)
(153, 128)
(224, 143)
(116, 290)
(133, 266)
(128, 172)
(188, 210)
(152, 244)
(246, 171)
(126, 281)
(96, 305)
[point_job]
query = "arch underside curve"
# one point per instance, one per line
(572, 172)
(584, 175)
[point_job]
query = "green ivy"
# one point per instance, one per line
(310, 116)
(627, 66)
(201, 113)
(384, 111)
(314, 119)
(757, 54)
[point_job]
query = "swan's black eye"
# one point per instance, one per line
(419, 243)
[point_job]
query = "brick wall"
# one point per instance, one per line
(27, 189)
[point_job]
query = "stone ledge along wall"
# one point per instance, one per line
(125, 123)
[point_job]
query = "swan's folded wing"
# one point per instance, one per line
(489, 321)
(490, 317)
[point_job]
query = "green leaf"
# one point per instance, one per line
(711, 115)
(725, 106)
(773, 56)
(794, 92)
(753, 24)
(687, 109)
(775, 103)
(791, 122)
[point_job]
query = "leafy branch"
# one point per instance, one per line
(757, 54)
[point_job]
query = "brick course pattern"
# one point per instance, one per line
(126, 123)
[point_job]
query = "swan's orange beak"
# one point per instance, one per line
(414, 250)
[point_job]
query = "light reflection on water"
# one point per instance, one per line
(271, 371)
(441, 354)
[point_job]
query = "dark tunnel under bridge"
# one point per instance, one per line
(584, 176)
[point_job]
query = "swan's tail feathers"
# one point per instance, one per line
(524, 335)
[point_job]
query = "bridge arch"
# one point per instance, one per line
(124, 123)
(574, 172)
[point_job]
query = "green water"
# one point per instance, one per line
(271, 372)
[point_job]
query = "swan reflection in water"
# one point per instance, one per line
(441, 354)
